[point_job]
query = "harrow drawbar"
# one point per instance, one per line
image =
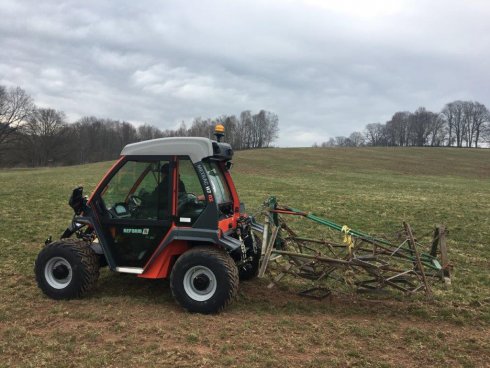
(354, 259)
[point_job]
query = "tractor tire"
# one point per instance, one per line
(204, 280)
(66, 269)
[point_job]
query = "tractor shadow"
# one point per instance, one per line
(132, 289)
(253, 296)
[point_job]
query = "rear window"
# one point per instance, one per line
(218, 182)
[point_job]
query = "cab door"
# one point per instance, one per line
(134, 207)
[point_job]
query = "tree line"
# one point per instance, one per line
(458, 124)
(35, 136)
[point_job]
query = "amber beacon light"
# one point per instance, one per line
(219, 132)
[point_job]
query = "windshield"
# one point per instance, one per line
(218, 182)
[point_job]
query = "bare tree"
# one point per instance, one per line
(468, 113)
(43, 136)
(485, 133)
(437, 130)
(270, 129)
(453, 113)
(246, 126)
(232, 127)
(329, 143)
(375, 134)
(146, 132)
(341, 141)
(449, 116)
(95, 139)
(465, 119)
(203, 127)
(480, 118)
(15, 107)
(420, 123)
(397, 129)
(357, 139)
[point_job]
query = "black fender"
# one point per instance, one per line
(89, 221)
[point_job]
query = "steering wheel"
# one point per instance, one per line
(134, 203)
(191, 197)
(186, 200)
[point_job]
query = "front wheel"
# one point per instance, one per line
(66, 269)
(204, 280)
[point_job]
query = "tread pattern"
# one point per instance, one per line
(87, 257)
(231, 269)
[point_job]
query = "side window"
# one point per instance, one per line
(218, 182)
(139, 190)
(191, 200)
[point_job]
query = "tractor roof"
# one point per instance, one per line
(196, 148)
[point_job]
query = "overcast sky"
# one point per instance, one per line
(326, 68)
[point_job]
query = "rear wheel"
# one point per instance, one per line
(66, 269)
(204, 280)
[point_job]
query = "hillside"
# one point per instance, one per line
(128, 321)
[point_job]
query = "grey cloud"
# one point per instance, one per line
(325, 67)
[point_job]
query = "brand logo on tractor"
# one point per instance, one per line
(202, 174)
(210, 194)
(205, 181)
(145, 231)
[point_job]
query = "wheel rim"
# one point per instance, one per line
(200, 283)
(58, 272)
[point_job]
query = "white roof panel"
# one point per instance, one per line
(196, 148)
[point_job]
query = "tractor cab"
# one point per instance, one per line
(168, 208)
(151, 193)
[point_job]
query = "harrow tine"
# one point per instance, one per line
(268, 252)
(419, 263)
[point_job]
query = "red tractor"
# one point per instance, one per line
(167, 208)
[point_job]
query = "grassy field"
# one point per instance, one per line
(128, 321)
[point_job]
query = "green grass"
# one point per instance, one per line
(128, 321)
